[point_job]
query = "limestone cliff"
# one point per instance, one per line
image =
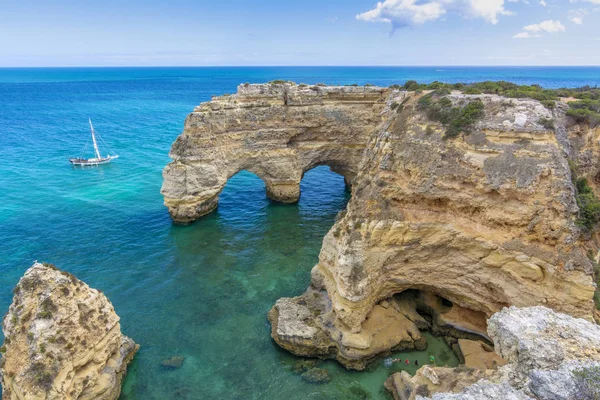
(551, 356)
(62, 341)
(482, 221)
(277, 132)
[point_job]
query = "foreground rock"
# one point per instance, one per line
(551, 356)
(63, 340)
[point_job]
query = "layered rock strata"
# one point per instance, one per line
(62, 340)
(484, 220)
(551, 356)
(276, 131)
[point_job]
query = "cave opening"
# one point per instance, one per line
(458, 326)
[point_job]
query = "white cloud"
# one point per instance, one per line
(535, 30)
(489, 10)
(546, 26)
(576, 16)
(401, 13)
(543, 3)
(524, 35)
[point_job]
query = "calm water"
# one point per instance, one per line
(201, 291)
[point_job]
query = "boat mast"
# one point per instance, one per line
(94, 140)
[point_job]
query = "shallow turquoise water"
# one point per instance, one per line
(201, 291)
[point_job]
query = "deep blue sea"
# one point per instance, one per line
(200, 291)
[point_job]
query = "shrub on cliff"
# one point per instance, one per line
(589, 205)
(456, 119)
(547, 123)
(585, 111)
(411, 85)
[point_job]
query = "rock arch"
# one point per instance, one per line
(276, 131)
(485, 220)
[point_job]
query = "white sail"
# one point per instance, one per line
(81, 161)
(94, 140)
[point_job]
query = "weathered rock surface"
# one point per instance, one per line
(306, 326)
(479, 355)
(485, 220)
(63, 340)
(543, 349)
(278, 132)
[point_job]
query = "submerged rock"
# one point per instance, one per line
(316, 375)
(301, 366)
(174, 362)
(63, 340)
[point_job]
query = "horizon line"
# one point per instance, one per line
(304, 66)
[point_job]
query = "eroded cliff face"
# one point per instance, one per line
(484, 220)
(63, 340)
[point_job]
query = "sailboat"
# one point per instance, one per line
(96, 160)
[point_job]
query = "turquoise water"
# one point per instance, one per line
(201, 291)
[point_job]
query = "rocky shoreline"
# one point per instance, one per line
(473, 235)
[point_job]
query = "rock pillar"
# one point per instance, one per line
(285, 192)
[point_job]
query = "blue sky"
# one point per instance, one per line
(299, 32)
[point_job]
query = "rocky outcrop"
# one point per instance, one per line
(63, 340)
(278, 132)
(306, 326)
(551, 356)
(483, 221)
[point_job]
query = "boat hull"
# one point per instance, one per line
(89, 162)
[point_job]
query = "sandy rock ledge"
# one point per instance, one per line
(63, 340)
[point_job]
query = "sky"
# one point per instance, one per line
(36, 33)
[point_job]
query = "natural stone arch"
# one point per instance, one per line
(278, 132)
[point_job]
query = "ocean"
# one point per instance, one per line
(200, 291)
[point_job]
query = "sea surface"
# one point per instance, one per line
(200, 291)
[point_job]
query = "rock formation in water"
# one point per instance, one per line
(277, 132)
(551, 356)
(62, 340)
(481, 221)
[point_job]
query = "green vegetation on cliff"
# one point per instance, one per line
(588, 203)
(584, 110)
(456, 119)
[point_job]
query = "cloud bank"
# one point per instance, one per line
(402, 13)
